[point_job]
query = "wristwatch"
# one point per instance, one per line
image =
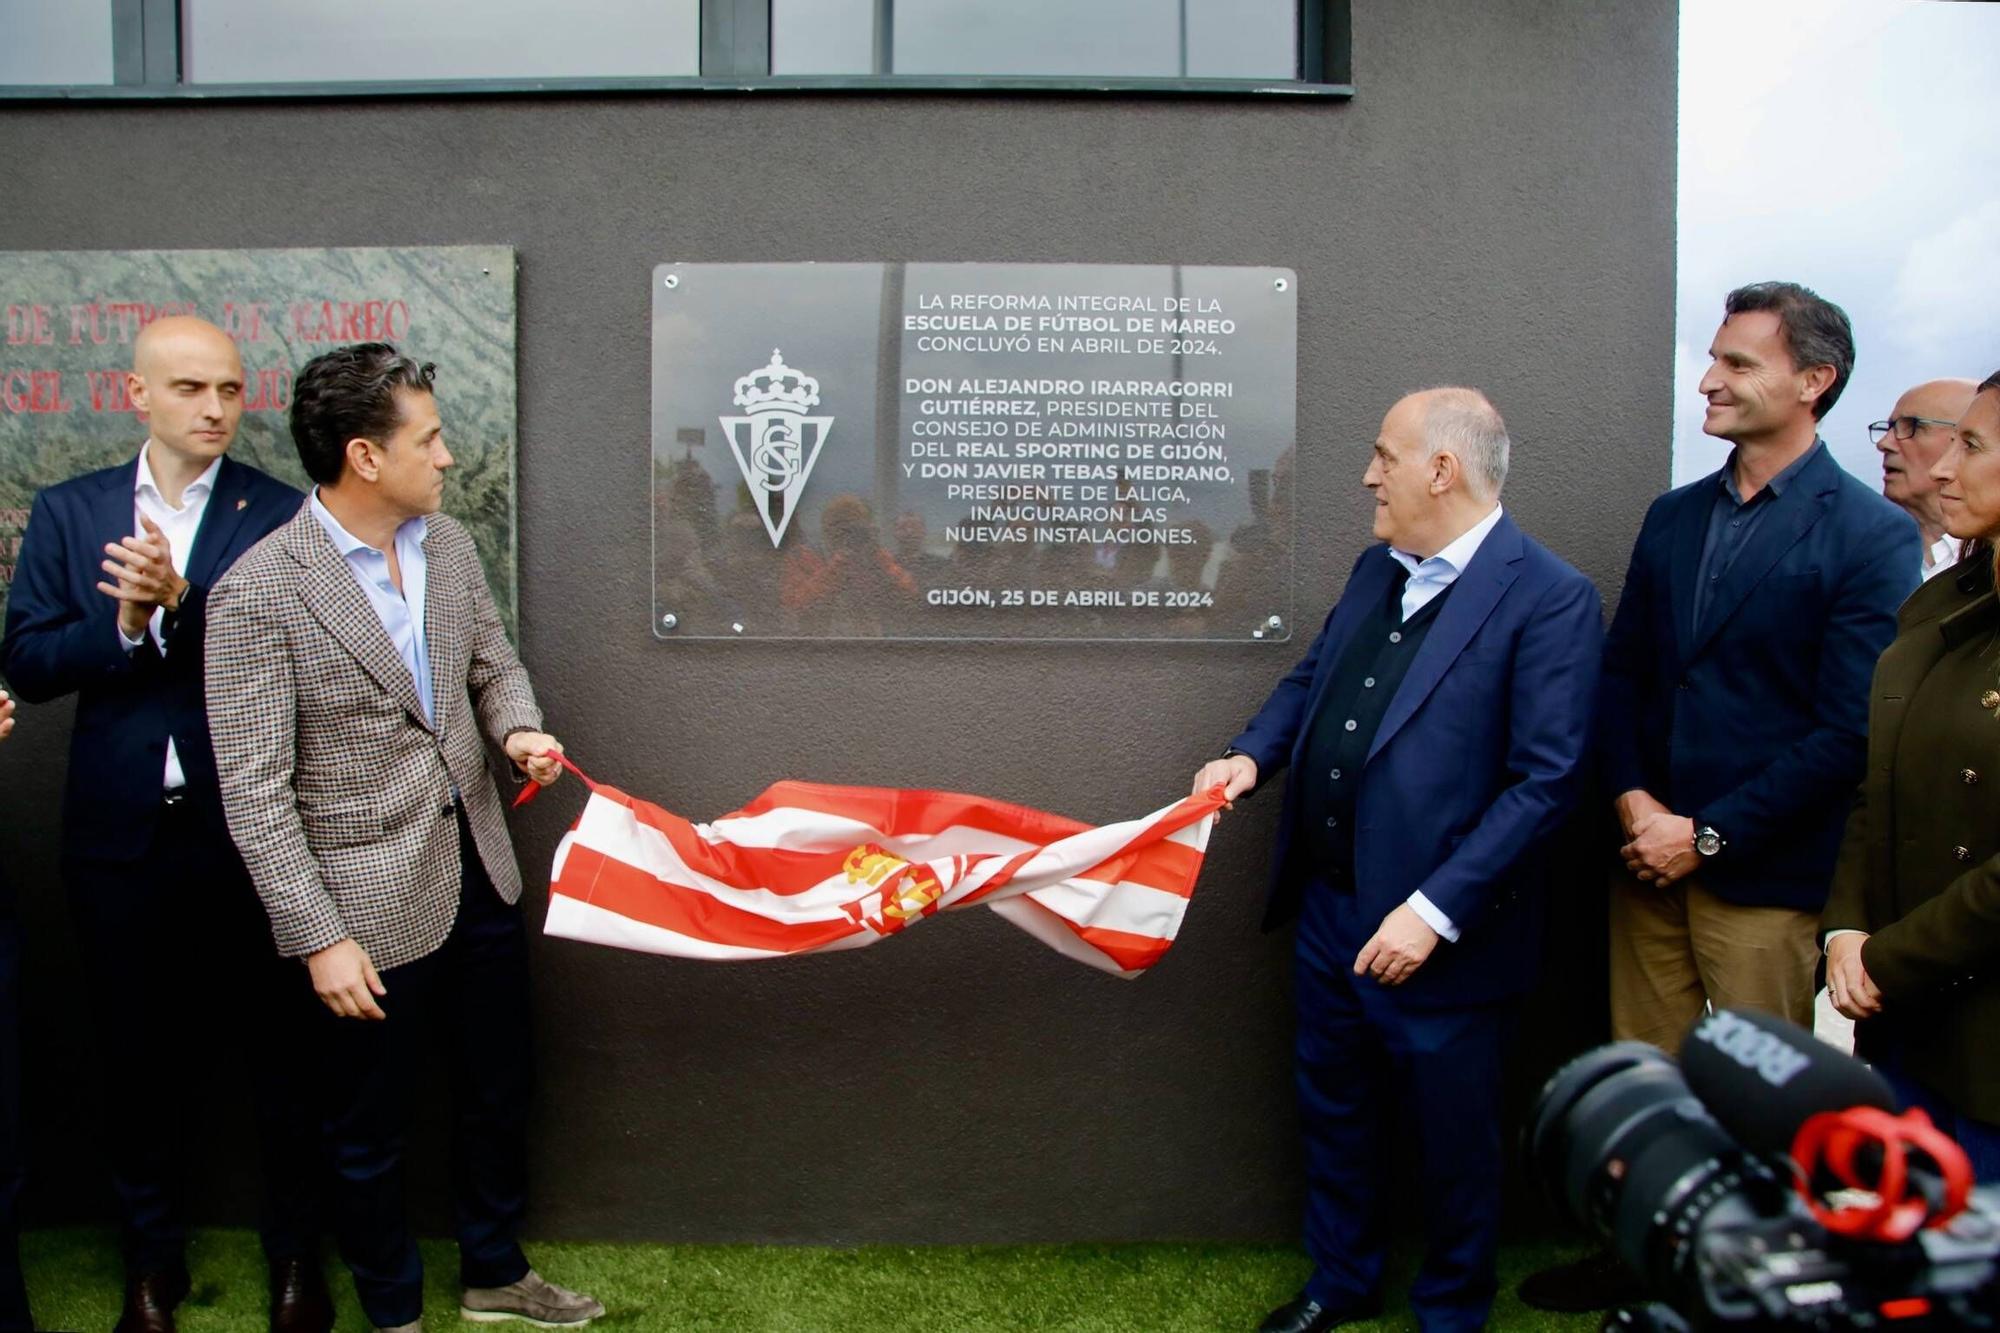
(1707, 841)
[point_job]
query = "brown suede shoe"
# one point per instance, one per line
(299, 1299)
(150, 1299)
(532, 1300)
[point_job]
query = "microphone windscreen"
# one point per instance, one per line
(1763, 1077)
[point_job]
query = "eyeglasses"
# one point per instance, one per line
(1903, 427)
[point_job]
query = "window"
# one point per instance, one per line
(312, 41)
(1214, 39)
(118, 49)
(60, 42)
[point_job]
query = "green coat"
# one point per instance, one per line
(1919, 868)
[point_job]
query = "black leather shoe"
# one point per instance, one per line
(150, 1299)
(299, 1299)
(1599, 1282)
(1303, 1314)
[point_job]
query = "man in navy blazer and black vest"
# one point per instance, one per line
(108, 603)
(1434, 730)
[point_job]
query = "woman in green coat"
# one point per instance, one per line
(1912, 925)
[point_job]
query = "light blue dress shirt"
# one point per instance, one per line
(1430, 577)
(370, 567)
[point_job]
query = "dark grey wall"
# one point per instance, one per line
(1494, 208)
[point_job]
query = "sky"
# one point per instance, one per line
(1853, 146)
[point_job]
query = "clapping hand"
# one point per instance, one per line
(142, 570)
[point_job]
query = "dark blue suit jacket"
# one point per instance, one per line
(1474, 765)
(1756, 722)
(62, 635)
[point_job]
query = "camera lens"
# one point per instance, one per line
(1630, 1154)
(1715, 1234)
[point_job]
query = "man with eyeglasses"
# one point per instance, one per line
(1913, 437)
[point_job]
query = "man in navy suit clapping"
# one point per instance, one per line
(108, 603)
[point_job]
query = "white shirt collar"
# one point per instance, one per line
(1459, 553)
(203, 484)
(1941, 555)
(347, 543)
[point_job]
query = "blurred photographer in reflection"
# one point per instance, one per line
(1912, 927)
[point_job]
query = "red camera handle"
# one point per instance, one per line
(1834, 1139)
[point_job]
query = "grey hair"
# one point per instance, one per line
(1465, 423)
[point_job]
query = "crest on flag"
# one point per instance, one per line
(776, 443)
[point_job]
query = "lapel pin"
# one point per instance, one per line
(1990, 699)
(242, 505)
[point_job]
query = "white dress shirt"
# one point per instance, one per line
(180, 525)
(1941, 555)
(1427, 579)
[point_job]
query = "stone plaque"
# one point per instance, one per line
(71, 317)
(982, 451)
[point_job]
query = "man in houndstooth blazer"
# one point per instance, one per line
(357, 667)
(339, 790)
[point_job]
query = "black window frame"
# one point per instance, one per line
(735, 58)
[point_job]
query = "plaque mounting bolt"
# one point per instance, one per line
(736, 628)
(1282, 285)
(1275, 622)
(673, 280)
(669, 620)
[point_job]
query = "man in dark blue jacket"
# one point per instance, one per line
(1734, 709)
(108, 603)
(1434, 730)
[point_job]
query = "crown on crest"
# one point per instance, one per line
(777, 388)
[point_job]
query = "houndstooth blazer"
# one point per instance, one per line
(338, 793)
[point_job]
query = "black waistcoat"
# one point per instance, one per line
(1357, 696)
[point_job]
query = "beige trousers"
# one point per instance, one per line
(1675, 951)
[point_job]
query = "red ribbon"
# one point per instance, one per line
(534, 789)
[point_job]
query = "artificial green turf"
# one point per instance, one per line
(73, 1280)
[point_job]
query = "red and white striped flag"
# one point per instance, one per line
(807, 868)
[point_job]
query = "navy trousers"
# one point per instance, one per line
(180, 967)
(472, 994)
(1368, 1062)
(13, 1291)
